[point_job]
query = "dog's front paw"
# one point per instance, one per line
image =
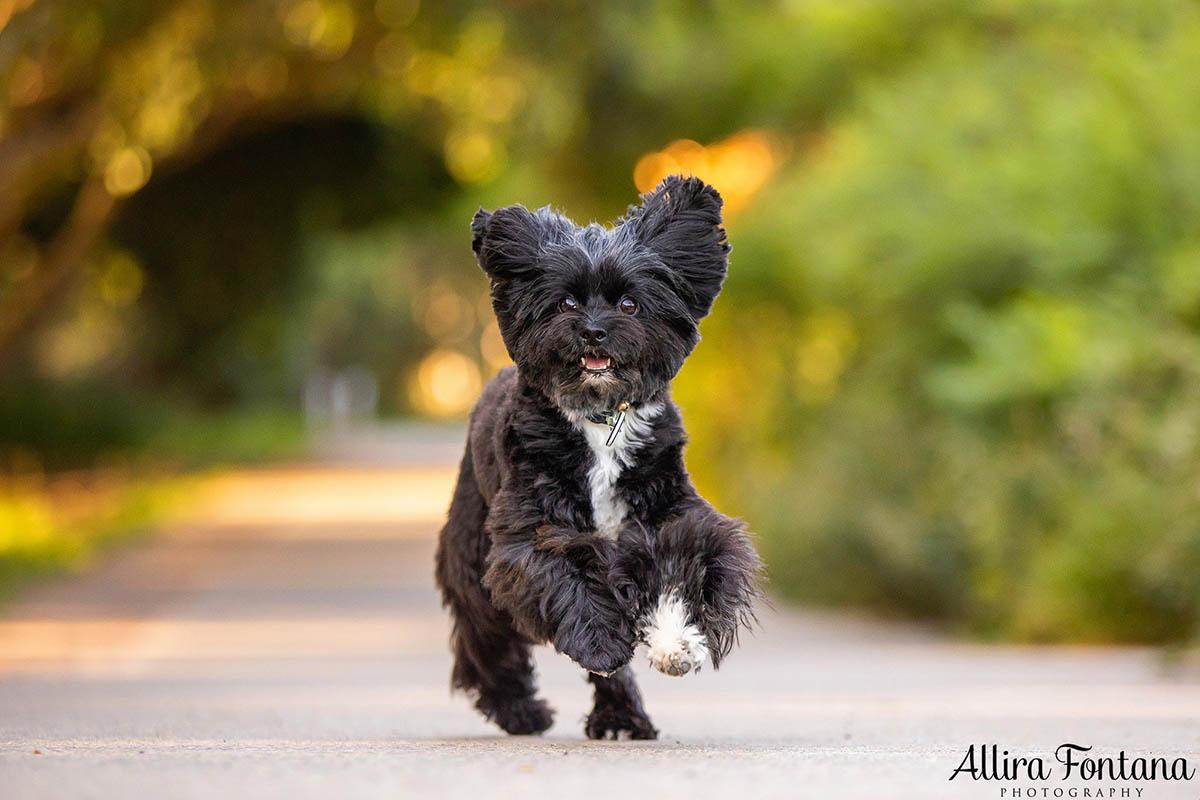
(609, 721)
(676, 646)
(602, 660)
(597, 648)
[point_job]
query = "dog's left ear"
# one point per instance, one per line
(681, 221)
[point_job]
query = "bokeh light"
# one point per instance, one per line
(446, 383)
(826, 342)
(473, 156)
(491, 345)
(445, 315)
(127, 171)
(120, 279)
(737, 166)
(325, 27)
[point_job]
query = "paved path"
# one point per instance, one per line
(286, 642)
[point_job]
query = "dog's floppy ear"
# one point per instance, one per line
(681, 221)
(506, 241)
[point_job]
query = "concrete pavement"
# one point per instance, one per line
(285, 640)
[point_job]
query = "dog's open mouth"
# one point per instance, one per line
(596, 363)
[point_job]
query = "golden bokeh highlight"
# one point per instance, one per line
(166, 116)
(491, 345)
(127, 171)
(474, 156)
(496, 98)
(446, 383)
(738, 166)
(325, 28)
(827, 342)
(121, 279)
(445, 315)
(79, 342)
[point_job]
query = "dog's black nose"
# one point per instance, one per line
(593, 335)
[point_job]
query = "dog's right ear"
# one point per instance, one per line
(478, 226)
(506, 241)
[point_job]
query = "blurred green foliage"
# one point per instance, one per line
(48, 529)
(955, 373)
(971, 315)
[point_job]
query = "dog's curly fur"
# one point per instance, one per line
(554, 536)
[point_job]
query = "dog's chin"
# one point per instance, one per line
(592, 390)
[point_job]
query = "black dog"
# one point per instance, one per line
(574, 521)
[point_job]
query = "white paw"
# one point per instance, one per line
(680, 658)
(676, 646)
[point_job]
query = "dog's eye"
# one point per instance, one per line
(568, 304)
(627, 305)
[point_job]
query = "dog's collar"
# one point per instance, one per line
(613, 418)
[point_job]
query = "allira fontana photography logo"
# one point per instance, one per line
(1094, 775)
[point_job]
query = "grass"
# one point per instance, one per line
(62, 523)
(59, 521)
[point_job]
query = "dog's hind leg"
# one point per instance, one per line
(492, 662)
(495, 666)
(618, 711)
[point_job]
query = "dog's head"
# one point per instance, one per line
(597, 316)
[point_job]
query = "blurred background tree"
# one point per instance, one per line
(955, 373)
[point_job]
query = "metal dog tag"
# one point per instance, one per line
(614, 431)
(615, 423)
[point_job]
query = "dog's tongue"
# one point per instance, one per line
(595, 362)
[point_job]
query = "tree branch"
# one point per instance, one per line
(60, 263)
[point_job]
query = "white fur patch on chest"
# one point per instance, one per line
(608, 507)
